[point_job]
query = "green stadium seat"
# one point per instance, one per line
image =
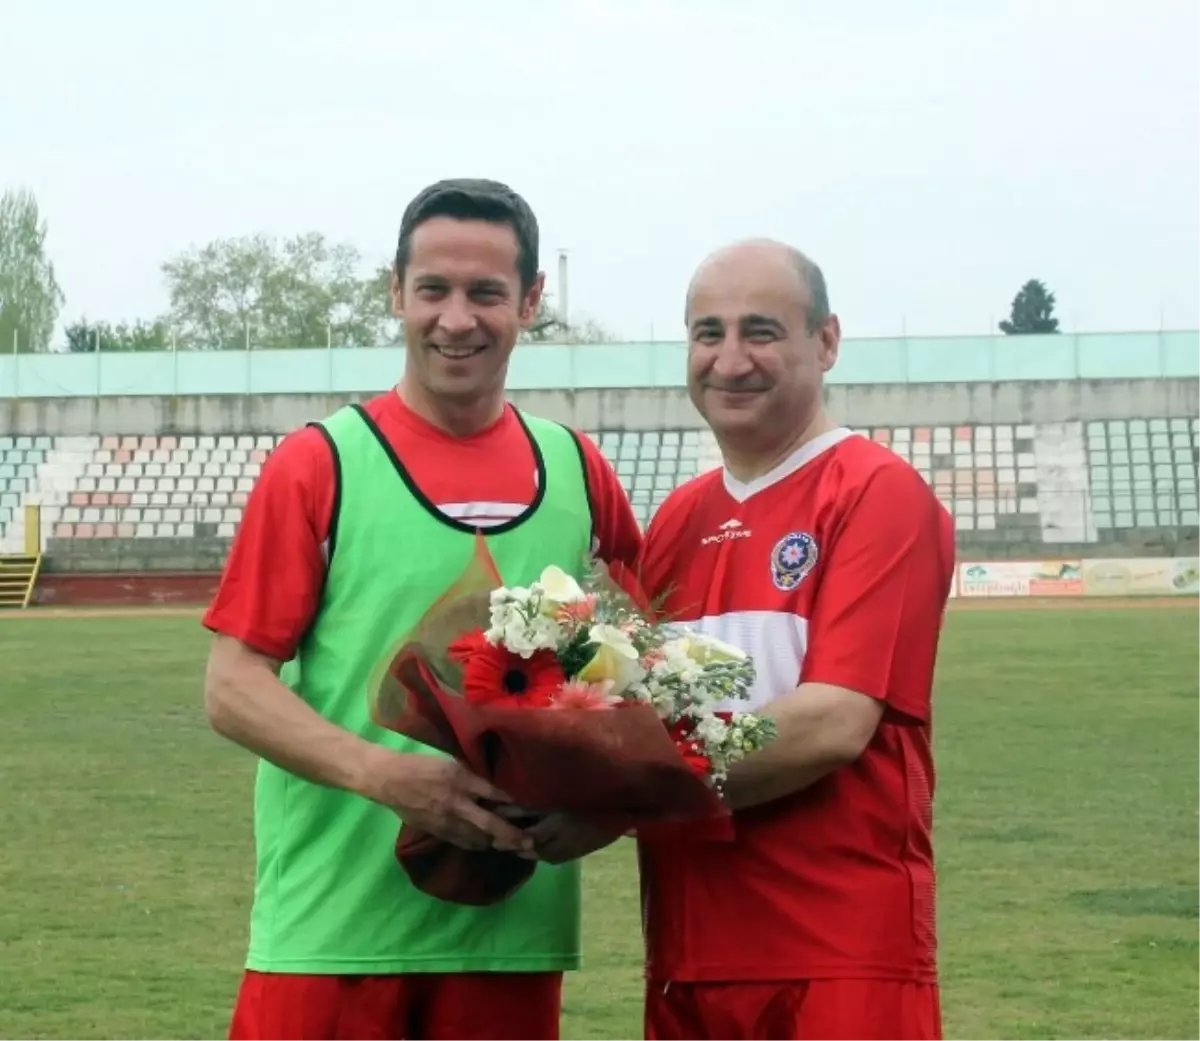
(1141, 472)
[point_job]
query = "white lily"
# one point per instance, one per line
(558, 588)
(615, 661)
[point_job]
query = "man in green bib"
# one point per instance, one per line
(356, 525)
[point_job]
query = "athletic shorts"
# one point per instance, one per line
(454, 1006)
(867, 1010)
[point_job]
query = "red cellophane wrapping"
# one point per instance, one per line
(616, 768)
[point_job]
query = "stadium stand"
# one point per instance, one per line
(1048, 451)
(1067, 482)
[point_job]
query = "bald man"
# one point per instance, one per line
(828, 558)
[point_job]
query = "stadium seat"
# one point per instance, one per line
(650, 464)
(1131, 475)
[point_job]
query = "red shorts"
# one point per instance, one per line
(888, 1010)
(466, 1006)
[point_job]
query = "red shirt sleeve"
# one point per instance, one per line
(878, 612)
(271, 585)
(656, 559)
(617, 535)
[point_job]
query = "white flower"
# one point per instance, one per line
(515, 624)
(678, 661)
(712, 730)
(558, 588)
(523, 635)
(616, 659)
(704, 649)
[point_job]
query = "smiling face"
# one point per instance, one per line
(463, 308)
(757, 348)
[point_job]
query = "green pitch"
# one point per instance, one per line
(1066, 834)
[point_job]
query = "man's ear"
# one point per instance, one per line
(532, 300)
(396, 289)
(831, 341)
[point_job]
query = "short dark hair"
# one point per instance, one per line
(468, 198)
(818, 291)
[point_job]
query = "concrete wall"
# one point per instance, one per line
(78, 556)
(207, 554)
(932, 403)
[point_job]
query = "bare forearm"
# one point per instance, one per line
(249, 705)
(789, 764)
(819, 728)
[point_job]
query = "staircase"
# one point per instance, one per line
(54, 480)
(18, 576)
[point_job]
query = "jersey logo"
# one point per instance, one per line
(727, 532)
(793, 557)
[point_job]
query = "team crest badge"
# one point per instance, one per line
(793, 557)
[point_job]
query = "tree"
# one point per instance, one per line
(548, 328)
(30, 296)
(84, 336)
(1032, 311)
(303, 292)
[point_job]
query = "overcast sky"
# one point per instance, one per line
(931, 156)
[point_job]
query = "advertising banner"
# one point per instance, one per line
(1148, 576)
(1021, 578)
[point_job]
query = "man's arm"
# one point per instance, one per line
(872, 641)
(268, 596)
(247, 703)
(618, 537)
(820, 727)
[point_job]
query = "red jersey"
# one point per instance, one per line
(834, 568)
(273, 577)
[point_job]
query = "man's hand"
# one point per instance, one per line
(559, 837)
(247, 703)
(441, 796)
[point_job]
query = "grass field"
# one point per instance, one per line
(1066, 834)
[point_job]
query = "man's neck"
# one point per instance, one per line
(747, 463)
(457, 420)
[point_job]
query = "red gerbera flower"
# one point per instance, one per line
(493, 675)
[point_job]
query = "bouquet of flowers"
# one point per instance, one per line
(570, 697)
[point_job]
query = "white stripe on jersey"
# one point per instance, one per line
(775, 640)
(479, 514)
(484, 514)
